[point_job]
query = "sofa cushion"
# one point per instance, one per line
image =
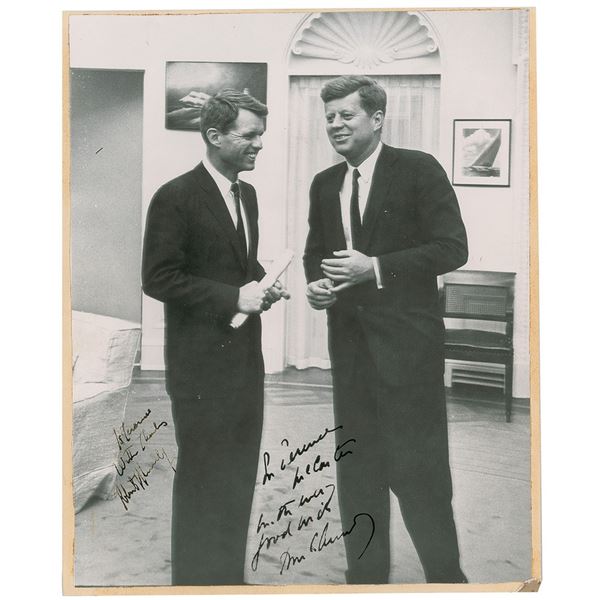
(102, 348)
(95, 447)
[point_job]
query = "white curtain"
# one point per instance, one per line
(412, 121)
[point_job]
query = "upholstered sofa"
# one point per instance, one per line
(104, 351)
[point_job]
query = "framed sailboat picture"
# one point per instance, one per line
(481, 152)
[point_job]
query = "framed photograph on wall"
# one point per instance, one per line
(189, 84)
(481, 152)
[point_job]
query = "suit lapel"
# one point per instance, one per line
(382, 177)
(332, 207)
(217, 206)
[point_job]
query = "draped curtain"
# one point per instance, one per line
(412, 121)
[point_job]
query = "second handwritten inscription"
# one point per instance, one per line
(299, 518)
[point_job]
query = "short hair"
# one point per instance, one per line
(221, 110)
(372, 95)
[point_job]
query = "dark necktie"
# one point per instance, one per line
(355, 224)
(235, 190)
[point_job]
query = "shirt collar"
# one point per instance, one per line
(222, 182)
(367, 166)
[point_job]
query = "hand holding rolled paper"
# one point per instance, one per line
(274, 294)
(258, 296)
(251, 298)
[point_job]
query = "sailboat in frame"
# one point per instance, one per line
(483, 165)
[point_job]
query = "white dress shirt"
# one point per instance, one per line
(366, 169)
(224, 186)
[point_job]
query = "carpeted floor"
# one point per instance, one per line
(490, 462)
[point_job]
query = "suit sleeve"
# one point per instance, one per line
(165, 275)
(315, 248)
(260, 270)
(443, 239)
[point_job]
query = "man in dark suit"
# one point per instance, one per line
(382, 226)
(200, 259)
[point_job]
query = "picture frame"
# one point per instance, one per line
(189, 83)
(481, 152)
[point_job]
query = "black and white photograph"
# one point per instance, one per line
(303, 336)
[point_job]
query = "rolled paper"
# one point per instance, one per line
(275, 271)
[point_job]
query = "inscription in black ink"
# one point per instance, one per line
(299, 451)
(339, 452)
(268, 475)
(266, 541)
(139, 479)
(306, 513)
(289, 560)
(125, 457)
(124, 432)
(322, 540)
(135, 461)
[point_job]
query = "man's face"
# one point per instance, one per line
(240, 145)
(352, 132)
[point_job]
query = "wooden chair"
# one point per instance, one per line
(478, 312)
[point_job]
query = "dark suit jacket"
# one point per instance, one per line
(194, 263)
(412, 223)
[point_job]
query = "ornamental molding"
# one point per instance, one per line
(520, 36)
(365, 39)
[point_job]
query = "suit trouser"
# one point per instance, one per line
(402, 445)
(218, 441)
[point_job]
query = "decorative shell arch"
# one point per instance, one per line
(365, 39)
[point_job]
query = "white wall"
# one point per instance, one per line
(106, 190)
(478, 81)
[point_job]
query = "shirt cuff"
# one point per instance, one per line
(377, 270)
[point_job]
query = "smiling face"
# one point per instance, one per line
(236, 150)
(352, 132)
